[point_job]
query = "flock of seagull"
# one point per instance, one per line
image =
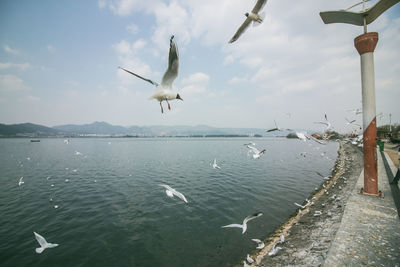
(165, 92)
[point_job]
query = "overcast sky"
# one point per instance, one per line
(59, 63)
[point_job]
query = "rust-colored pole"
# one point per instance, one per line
(365, 45)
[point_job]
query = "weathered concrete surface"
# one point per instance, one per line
(369, 234)
(309, 237)
(353, 229)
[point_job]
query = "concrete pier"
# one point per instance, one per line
(369, 233)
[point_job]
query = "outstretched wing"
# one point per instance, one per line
(40, 239)
(173, 64)
(255, 150)
(241, 30)
(180, 195)
(259, 5)
(251, 217)
(147, 80)
(233, 225)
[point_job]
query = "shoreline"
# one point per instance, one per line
(308, 237)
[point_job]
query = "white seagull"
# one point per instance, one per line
(171, 192)
(274, 250)
(215, 166)
(256, 153)
(253, 16)
(260, 244)
(249, 259)
(302, 136)
(326, 122)
(164, 90)
(244, 224)
(20, 181)
(43, 243)
(277, 128)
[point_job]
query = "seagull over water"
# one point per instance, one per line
(256, 153)
(171, 192)
(215, 166)
(277, 128)
(20, 181)
(260, 244)
(253, 16)
(244, 224)
(43, 243)
(164, 90)
(326, 123)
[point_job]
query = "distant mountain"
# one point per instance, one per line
(27, 129)
(93, 128)
(104, 128)
(158, 130)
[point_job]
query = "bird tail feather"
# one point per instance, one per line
(257, 23)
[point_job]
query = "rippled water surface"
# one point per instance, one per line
(112, 211)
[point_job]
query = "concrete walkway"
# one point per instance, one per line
(369, 234)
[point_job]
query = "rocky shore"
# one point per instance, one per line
(309, 234)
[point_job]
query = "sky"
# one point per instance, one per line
(59, 63)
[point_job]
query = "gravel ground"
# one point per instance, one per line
(308, 237)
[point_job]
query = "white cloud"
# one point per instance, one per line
(132, 28)
(51, 49)
(229, 59)
(195, 83)
(11, 50)
(9, 65)
(12, 83)
(102, 3)
(198, 78)
(29, 99)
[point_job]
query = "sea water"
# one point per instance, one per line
(111, 210)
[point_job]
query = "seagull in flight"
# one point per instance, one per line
(244, 224)
(20, 181)
(260, 244)
(215, 166)
(356, 111)
(253, 16)
(171, 192)
(164, 90)
(302, 136)
(326, 122)
(256, 153)
(43, 243)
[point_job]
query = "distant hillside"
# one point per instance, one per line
(93, 128)
(182, 130)
(27, 129)
(103, 128)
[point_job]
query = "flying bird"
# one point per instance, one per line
(21, 181)
(43, 243)
(256, 153)
(215, 166)
(260, 244)
(244, 224)
(171, 192)
(253, 16)
(277, 128)
(164, 90)
(326, 123)
(302, 136)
